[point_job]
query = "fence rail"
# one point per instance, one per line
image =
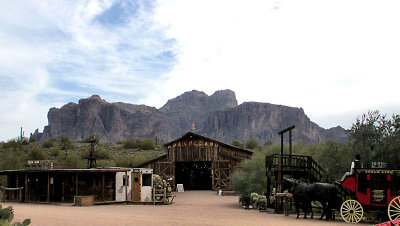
(295, 163)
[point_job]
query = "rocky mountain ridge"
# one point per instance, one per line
(217, 116)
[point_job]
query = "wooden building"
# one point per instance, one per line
(198, 162)
(63, 185)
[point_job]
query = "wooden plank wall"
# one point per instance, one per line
(197, 149)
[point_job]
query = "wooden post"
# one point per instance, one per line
(126, 186)
(102, 186)
(290, 148)
(76, 184)
(165, 196)
(26, 188)
(154, 196)
(286, 206)
(48, 187)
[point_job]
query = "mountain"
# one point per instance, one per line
(263, 122)
(193, 108)
(110, 121)
(217, 116)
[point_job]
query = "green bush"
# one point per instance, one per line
(102, 154)
(130, 162)
(148, 144)
(37, 154)
(56, 152)
(252, 178)
(128, 144)
(237, 143)
(49, 143)
(66, 143)
(251, 144)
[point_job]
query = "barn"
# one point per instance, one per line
(199, 162)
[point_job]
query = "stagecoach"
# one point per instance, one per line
(371, 190)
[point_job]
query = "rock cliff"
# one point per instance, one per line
(217, 116)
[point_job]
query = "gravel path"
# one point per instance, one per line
(190, 208)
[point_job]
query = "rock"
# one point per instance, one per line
(217, 116)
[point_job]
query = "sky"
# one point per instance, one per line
(335, 59)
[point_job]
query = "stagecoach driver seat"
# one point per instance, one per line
(356, 164)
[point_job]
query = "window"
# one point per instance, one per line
(362, 183)
(146, 180)
(125, 180)
(395, 185)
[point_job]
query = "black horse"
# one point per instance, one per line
(304, 194)
(327, 195)
(298, 188)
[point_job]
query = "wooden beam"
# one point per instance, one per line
(287, 129)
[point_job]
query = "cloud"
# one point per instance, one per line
(329, 57)
(54, 52)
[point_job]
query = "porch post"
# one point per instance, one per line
(48, 187)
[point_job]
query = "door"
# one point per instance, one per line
(136, 187)
(221, 174)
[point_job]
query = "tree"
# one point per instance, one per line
(66, 143)
(237, 143)
(252, 178)
(376, 138)
(251, 144)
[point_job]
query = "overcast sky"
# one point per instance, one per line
(335, 59)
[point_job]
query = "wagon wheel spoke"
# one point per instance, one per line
(394, 209)
(351, 211)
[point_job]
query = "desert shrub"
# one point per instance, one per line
(12, 159)
(32, 139)
(130, 161)
(102, 154)
(37, 154)
(129, 144)
(49, 143)
(66, 143)
(237, 144)
(12, 144)
(105, 163)
(56, 152)
(148, 144)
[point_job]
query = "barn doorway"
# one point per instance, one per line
(194, 175)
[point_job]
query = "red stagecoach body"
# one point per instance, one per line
(371, 190)
(373, 187)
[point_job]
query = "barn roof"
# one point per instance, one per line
(195, 135)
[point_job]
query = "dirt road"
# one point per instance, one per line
(190, 208)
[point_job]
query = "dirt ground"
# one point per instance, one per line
(189, 208)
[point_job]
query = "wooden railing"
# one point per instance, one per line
(292, 163)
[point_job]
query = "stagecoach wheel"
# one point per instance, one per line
(394, 209)
(351, 211)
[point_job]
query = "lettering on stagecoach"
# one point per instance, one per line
(381, 171)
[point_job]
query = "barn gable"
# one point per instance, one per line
(199, 162)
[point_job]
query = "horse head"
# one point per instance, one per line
(289, 184)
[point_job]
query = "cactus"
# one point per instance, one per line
(6, 216)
